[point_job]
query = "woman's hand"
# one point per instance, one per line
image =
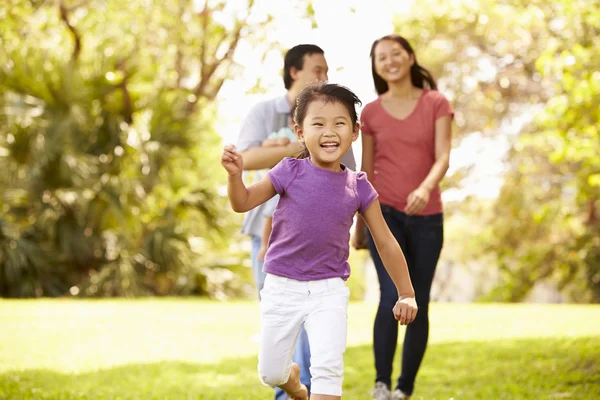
(417, 201)
(405, 310)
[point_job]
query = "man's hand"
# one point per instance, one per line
(405, 310)
(284, 141)
(359, 240)
(231, 160)
(261, 253)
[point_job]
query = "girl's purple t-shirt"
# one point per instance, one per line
(312, 221)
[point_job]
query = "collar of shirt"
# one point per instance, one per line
(282, 106)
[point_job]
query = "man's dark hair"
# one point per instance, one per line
(295, 58)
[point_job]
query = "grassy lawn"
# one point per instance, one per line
(192, 349)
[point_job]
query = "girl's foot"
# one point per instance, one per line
(294, 388)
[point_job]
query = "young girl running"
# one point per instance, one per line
(306, 262)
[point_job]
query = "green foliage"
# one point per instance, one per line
(544, 225)
(109, 157)
(486, 69)
(551, 191)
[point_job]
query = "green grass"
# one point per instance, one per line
(192, 349)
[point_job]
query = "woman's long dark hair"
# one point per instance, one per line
(419, 76)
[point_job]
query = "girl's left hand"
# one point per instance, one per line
(417, 201)
(405, 310)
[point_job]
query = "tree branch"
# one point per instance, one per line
(592, 216)
(207, 70)
(77, 5)
(127, 105)
(210, 70)
(215, 89)
(204, 14)
(178, 65)
(228, 55)
(64, 16)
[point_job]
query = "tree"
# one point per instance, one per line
(553, 188)
(107, 145)
(543, 226)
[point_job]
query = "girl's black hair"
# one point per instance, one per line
(330, 93)
(419, 76)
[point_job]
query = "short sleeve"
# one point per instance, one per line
(364, 121)
(443, 107)
(253, 131)
(365, 191)
(283, 173)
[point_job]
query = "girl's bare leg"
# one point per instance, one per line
(293, 387)
(324, 397)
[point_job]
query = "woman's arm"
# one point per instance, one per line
(368, 151)
(419, 198)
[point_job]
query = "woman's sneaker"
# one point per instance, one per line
(398, 395)
(381, 392)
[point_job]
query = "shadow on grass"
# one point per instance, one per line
(515, 369)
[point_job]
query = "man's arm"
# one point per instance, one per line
(264, 238)
(255, 129)
(268, 157)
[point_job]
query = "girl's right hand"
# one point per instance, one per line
(231, 160)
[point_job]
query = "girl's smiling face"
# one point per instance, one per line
(327, 132)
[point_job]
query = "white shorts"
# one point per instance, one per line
(322, 306)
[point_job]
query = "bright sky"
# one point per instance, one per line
(346, 38)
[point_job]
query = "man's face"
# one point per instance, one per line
(314, 69)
